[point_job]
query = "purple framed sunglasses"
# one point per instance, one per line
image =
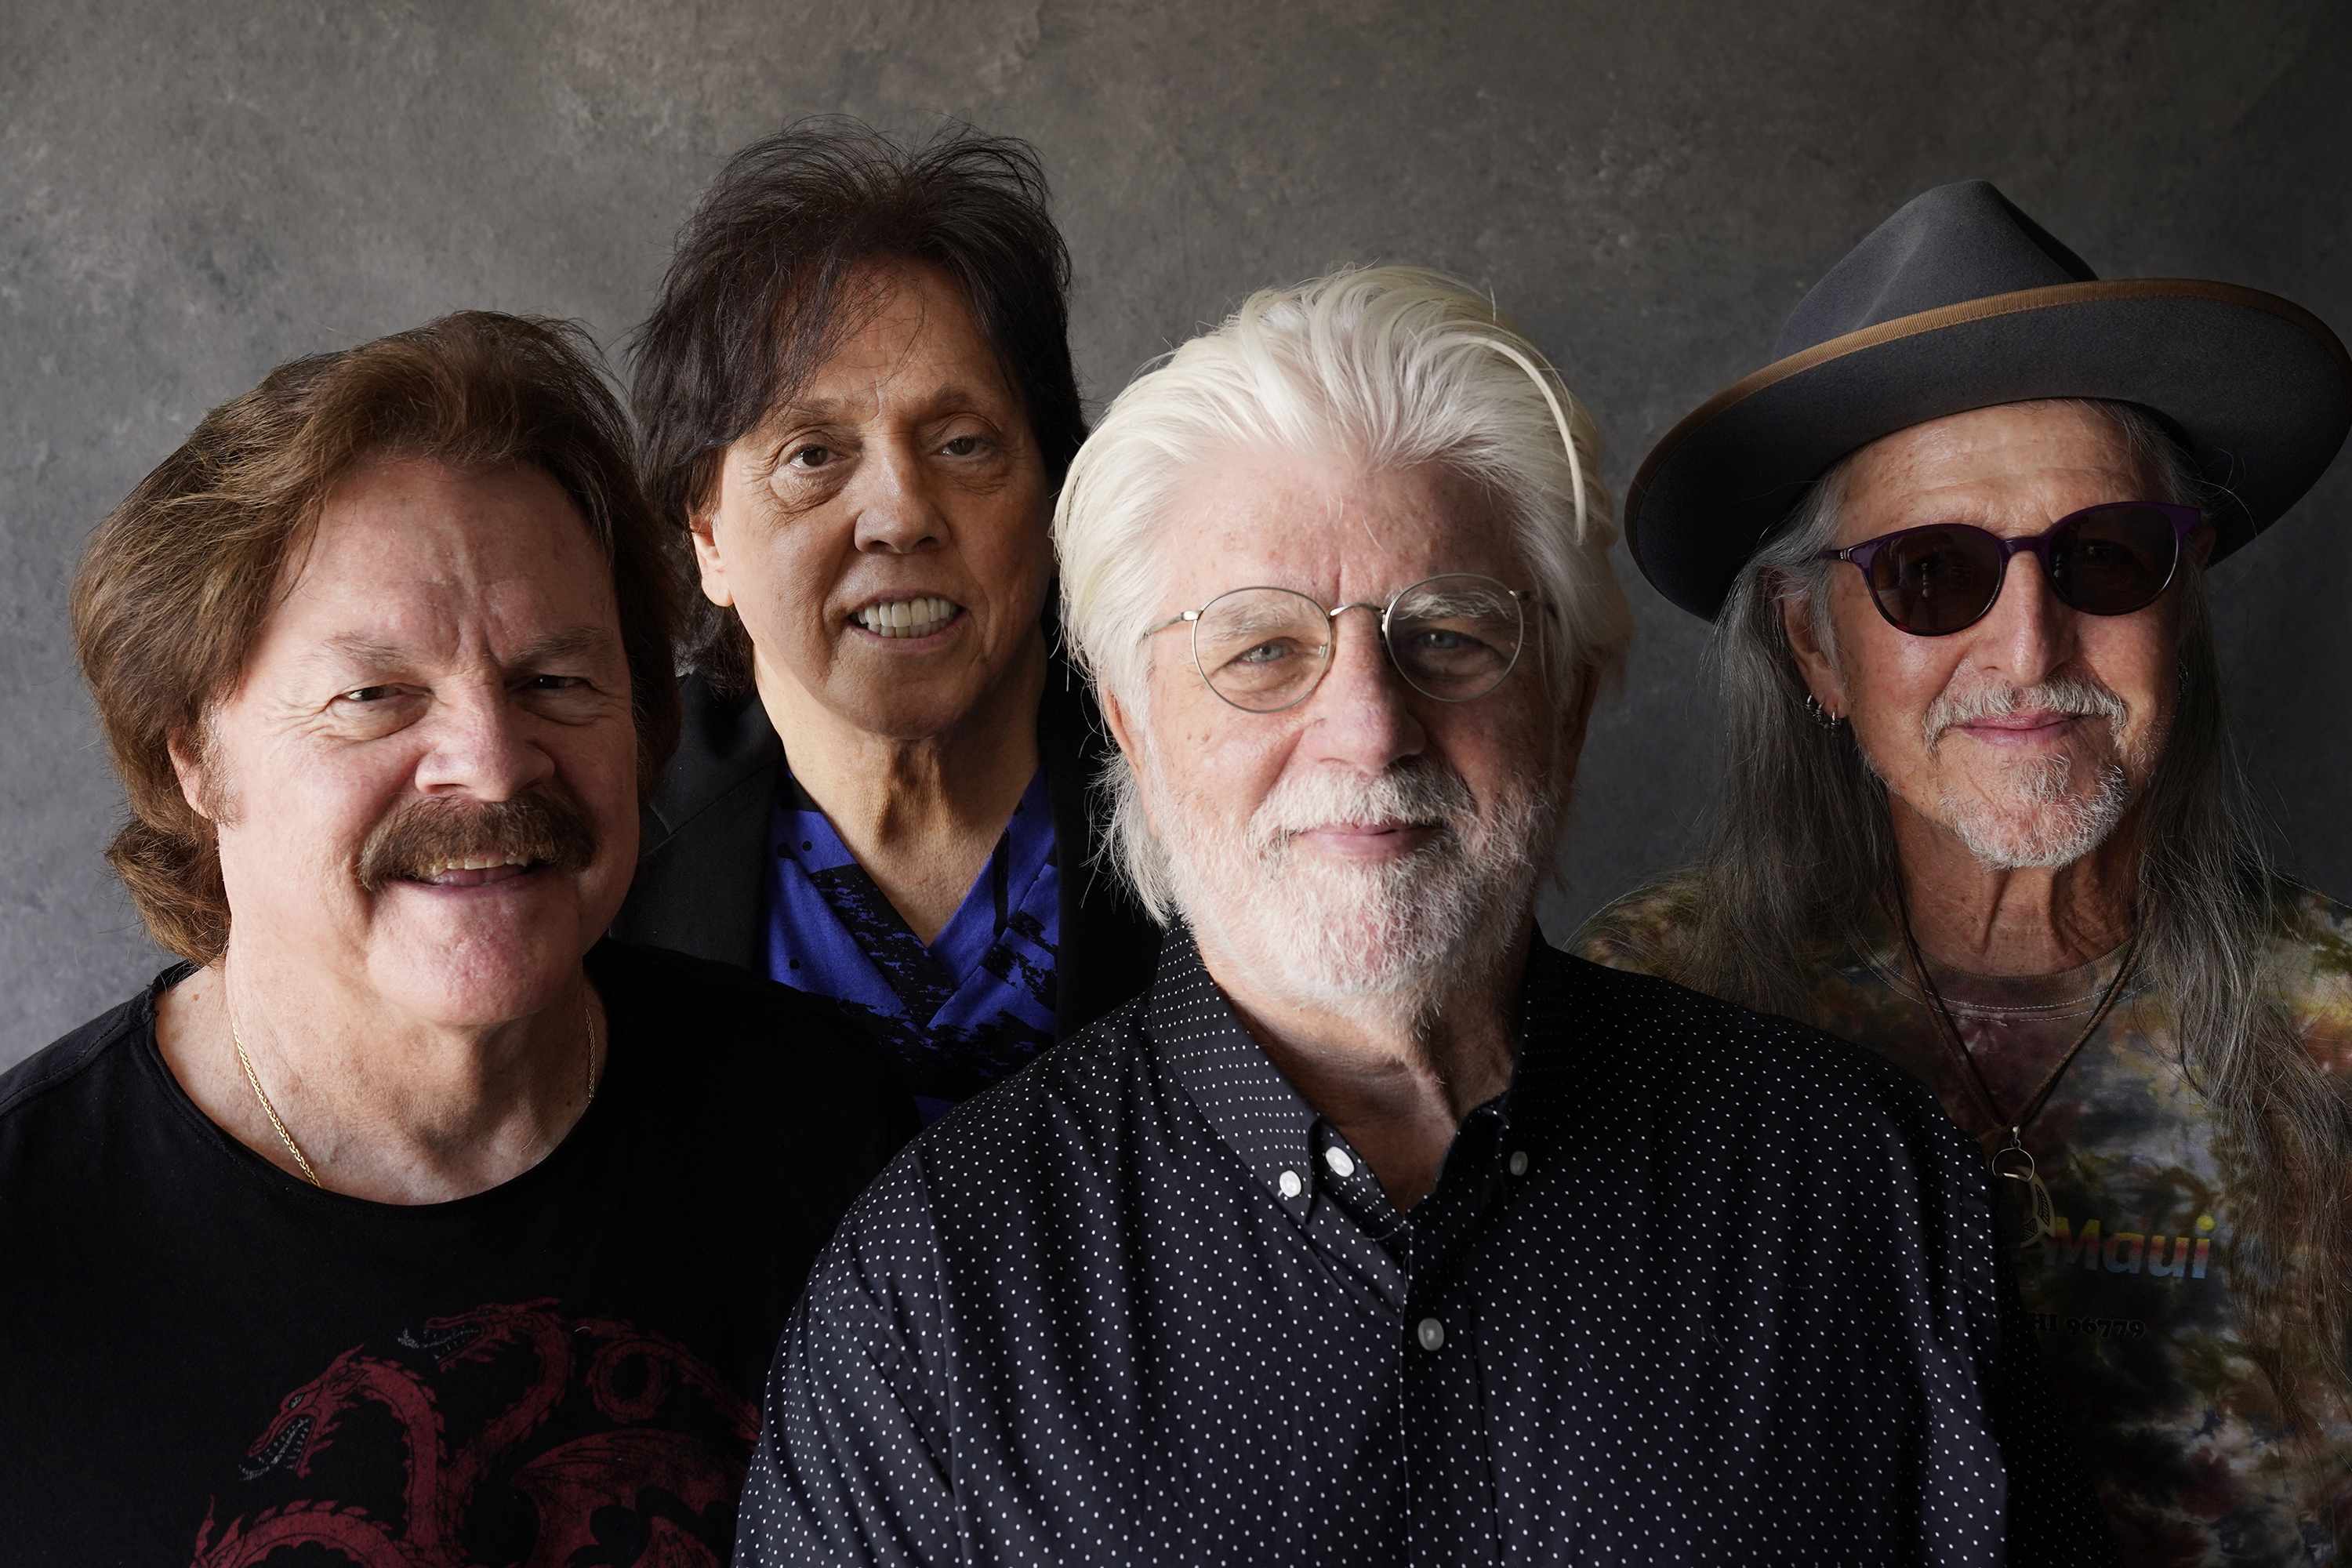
(2106, 560)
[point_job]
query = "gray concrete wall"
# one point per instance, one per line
(190, 193)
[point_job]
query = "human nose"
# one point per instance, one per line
(1361, 713)
(481, 746)
(895, 514)
(2029, 631)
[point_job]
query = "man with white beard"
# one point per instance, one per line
(1376, 1231)
(1980, 815)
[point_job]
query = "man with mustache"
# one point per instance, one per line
(405, 1219)
(1979, 813)
(1376, 1231)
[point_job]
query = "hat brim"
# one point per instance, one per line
(2259, 388)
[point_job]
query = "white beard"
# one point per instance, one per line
(1332, 932)
(2049, 819)
(2049, 824)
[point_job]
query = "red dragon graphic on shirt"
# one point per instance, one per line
(624, 1448)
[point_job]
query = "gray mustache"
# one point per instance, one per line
(2062, 694)
(549, 829)
(1415, 792)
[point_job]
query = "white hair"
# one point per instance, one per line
(1390, 366)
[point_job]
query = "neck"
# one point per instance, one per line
(385, 1106)
(1394, 1073)
(2032, 921)
(921, 814)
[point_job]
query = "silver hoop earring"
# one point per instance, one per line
(1818, 714)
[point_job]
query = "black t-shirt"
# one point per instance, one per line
(204, 1359)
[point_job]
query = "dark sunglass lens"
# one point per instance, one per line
(2113, 560)
(1934, 581)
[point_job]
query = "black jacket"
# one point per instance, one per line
(702, 860)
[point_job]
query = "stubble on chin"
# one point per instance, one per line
(2038, 812)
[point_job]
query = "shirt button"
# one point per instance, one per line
(1518, 1162)
(1338, 1161)
(1290, 1184)
(1432, 1334)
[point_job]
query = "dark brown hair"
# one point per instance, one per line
(180, 577)
(766, 286)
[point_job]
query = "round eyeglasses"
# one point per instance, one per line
(1452, 637)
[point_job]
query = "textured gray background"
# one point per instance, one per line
(190, 193)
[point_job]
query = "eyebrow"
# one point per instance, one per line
(562, 645)
(357, 650)
(368, 652)
(821, 410)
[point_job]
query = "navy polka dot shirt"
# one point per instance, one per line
(1702, 1286)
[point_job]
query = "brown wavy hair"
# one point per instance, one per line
(180, 577)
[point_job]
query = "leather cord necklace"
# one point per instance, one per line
(2012, 1160)
(587, 1017)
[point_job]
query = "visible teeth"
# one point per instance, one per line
(439, 867)
(907, 618)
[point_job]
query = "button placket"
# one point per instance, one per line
(1449, 1487)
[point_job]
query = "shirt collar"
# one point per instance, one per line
(1204, 1047)
(1254, 1109)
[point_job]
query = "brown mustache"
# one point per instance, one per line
(538, 829)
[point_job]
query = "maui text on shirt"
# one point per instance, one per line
(2128, 1251)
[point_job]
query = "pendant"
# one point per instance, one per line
(2015, 1162)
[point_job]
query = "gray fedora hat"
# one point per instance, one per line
(1961, 301)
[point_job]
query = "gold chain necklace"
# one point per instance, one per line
(587, 1017)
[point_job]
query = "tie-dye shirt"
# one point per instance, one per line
(2131, 1297)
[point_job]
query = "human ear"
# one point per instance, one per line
(1124, 731)
(1579, 717)
(188, 769)
(1814, 661)
(704, 527)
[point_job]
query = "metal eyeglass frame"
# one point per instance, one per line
(1520, 602)
(2184, 520)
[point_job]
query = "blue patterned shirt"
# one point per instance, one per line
(971, 1006)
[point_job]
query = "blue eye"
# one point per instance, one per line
(1264, 653)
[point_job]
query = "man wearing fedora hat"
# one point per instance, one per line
(1979, 815)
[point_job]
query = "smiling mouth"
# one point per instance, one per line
(476, 871)
(918, 617)
(2013, 727)
(1368, 837)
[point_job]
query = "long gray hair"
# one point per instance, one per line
(1802, 843)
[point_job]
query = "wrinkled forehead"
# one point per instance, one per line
(2015, 468)
(410, 552)
(1331, 527)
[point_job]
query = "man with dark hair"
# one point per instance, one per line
(405, 1219)
(856, 399)
(1979, 815)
